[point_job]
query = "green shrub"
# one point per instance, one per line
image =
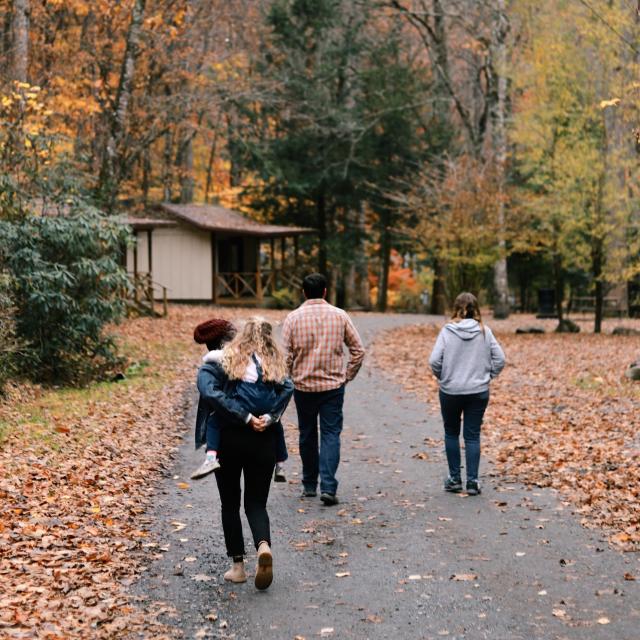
(66, 284)
(9, 344)
(285, 298)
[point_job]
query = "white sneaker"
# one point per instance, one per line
(210, 464)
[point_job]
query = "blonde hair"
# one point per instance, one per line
(466, 307)
(255, 337)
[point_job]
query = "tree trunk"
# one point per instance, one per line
(500, 29)
(439, 292)
(185, 164)
(146, 175)
(558, 279)
(111, 173)
(167, 174)
(321, 212)
(385, 262)
(350, 298)
(212, 158)
(363, 294)
(20, 58)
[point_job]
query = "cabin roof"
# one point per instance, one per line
(216, 218)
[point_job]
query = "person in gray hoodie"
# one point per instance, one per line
(465, 358)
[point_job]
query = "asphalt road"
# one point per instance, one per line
(398, 558)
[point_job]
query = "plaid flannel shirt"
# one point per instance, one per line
(314, 336)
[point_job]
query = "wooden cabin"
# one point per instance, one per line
(203, 252)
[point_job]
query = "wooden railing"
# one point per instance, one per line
(255, 285)
(143, 294)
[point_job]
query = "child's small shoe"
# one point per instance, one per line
(210, 464)
(236, 573)
(278, 474)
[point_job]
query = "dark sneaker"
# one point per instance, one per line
(329, 499)
(453, 484)
(308, 493)
(278, 474)
(473, 488)
(210, 464)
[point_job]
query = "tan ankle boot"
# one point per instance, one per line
(236, 573)
(264, 570)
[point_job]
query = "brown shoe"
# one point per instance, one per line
(236, 573)
(264, 570)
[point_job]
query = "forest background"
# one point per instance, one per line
(435, 145)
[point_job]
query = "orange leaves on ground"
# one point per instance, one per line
(561, 415)
(78, 469)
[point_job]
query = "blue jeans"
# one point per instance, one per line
(471, 408)
(323, 461)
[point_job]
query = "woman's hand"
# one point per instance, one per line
(257, 424)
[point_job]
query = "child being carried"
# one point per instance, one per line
(257, 397)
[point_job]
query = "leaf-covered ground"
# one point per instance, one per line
(77, 469)
(562, 414)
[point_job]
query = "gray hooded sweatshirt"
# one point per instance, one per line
(465, 359)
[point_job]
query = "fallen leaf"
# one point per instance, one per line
(603, 620)
(342, 574)
(462, 577)
(183, 485)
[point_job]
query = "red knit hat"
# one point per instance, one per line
(213, 331)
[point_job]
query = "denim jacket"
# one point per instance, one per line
(218, 393)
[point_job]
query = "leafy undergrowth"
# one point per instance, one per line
(77, 472)
(561, 415)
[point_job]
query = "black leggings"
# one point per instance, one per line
(243, 450)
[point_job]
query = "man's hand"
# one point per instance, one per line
(257, 424)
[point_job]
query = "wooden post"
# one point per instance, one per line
(272, 260)
(283, 258)
(150, 253)
(165, 305)
(135, 265)
(296, 251)
(214, 267)
(259, 293)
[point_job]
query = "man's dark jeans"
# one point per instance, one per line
(472, 408)
(328, 406)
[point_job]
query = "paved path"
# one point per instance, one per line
(400, 539)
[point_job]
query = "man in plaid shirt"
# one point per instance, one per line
(314, 336)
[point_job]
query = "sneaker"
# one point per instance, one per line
(308, 493)
(210, 464)
(473, 488)
(453, 484)
(329, 499)
(264, 570)
(278, 475)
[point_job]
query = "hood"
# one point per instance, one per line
(213, 356)
(465, 329)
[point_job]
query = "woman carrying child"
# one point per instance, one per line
(465, 358)
(246, 406)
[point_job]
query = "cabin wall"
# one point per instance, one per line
(182, 262)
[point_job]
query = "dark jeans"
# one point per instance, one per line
(213, 437)
(472, 408)
(245, 451)
(324, 461)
